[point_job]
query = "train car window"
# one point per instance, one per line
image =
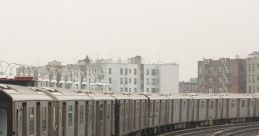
(54, 117)
(122, 112)
(157, 108)
(243, 103)
(44, 119)
(31, 121)
(184, 105)
(81, 114)
(202, 104)
(101, 112)
(176, 105)
(211, 104)
(232, 104)
(108, 111)
(70, 115)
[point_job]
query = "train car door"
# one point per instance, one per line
(3, 122)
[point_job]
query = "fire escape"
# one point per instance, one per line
(225, 74)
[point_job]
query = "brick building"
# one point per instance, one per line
(222, 76)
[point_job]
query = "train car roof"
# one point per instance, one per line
(64, 94)
(21, 93)
(205, 96)
(256, 95)
(179, 96)
(137, 96)
(121, 96)
(153, 96)
(236, 95)
(99, 95)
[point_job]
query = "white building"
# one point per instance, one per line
(132, 76)
(162, 78)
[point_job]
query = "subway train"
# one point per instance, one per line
(33, 111)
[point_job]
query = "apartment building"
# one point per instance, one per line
(253, 73)
(222, 76)
(132, 76)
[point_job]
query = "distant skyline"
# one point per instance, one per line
(36, 32)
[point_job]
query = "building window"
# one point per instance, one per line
(126, 71)
(153, 72)
(153, 90)
(121, 71)
(129, 71)
(110, 70)
(31, 121)
(121, 89)
(135, 81)
(135, 89)
(135, 71)
(147, 72)
(121, 81)
(249, 78)
(126, 89)
(153, 82)
(253, 67)
(253, 78)
(147, 81)
(110, 80)
(210, 80)
(147, 90)
(70, 115)
(129, 80)
(250, 89)
(249, 67)
(219, 69)
(126, 81)
(257, 89)
(129, 89)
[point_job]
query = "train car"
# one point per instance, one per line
(244, 106)
(123, 112)
(256, 109)
(69, 112)
(23, 111)
(204, 108)
(157, 111)
(139, 114)
(180, 110)
(230, 109)
(103, 113)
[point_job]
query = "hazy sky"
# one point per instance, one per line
(182, 31)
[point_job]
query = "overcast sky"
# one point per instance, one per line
(182, 31)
